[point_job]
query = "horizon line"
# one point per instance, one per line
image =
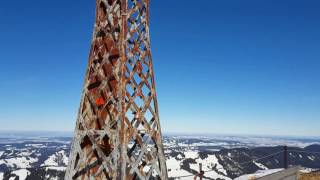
(12, 132)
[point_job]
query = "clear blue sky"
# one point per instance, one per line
(244, 67)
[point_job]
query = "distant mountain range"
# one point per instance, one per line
(42, 156)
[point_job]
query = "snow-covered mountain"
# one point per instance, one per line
(35, 157)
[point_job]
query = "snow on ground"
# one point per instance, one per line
(25, 152)
(19, 162)
(237, 141)
(191, 154)
(175, 169)
(215, 175)
(1, 175)
(64, 156)
(307, 170)
(260, 165)
(21, 173)
(53, 159)
(1, 153)
(312, 158)
(258, 174)
(36, 145)
(52, 177)
(58, 168)
(208, 164)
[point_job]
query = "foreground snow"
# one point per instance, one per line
(21, 173)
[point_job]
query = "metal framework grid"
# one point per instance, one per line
(118, 134)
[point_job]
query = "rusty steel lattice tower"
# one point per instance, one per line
(118, 133)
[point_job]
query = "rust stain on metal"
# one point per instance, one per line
(118, 134)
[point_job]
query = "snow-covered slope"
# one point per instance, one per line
(222, 157)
